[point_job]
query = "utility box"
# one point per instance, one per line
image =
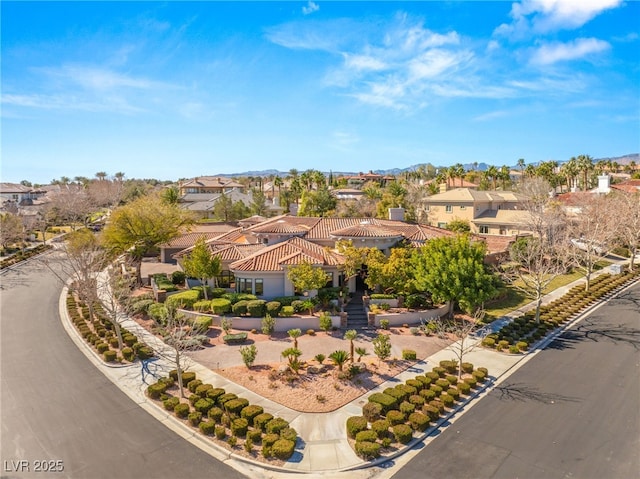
(616, 268)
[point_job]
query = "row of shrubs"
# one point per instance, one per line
(23, 255)
(226, 416)
(100, 334)
(393, 415)
(516, 336)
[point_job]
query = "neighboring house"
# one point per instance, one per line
(347, 194)
(203, 203)
(19, 194)
(488, 212)
(362, 178)
(629, 186)
(208, 185)
(189, 238)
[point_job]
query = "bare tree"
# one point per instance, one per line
(591, 233)
(11, 229)
(105, 193)
(626, 208)
(467, 333)
(114, 290)
(72, 205)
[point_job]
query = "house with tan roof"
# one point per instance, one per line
(208, 185)
(488, 212)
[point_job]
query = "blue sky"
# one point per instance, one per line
(178, 89)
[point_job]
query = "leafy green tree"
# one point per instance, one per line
(395, 273)
(459, 226)
(140, 226)
(306, 277)
(258, 202)
(171, 195)
(317, 202)
(248, 354)
(453, 270)
(201, 263)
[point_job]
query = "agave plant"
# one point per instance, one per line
(339, 358)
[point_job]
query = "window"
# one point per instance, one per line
(259, 287)
(463, 207)
(503, 230)
(484, 229)
(448, 209)
(330, 281)
(226, 279)
(442, 225)
(245, 285)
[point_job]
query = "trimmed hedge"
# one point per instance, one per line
(402, 433)
(283, 448)
(387, 402)
(356, 424)
(367, 450)
(220, 306)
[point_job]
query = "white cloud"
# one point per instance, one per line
(98, 78)
(70, 102)
(310, 8)
(343, 140)
(543, 16)
(577, 49)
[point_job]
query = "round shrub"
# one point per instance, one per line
(471, 381)
(269, 439)
(356, 424)
(432, 375)
(127, 353)
(203, 405)
(181, 410)
(443, 383)
(239, 427)
(236, 405)
(184, 299)
(261, 421)
(255, 435)
(289, 433)
(489, 342)
(432, 412)
(440, 371)
(215, 393)
(257, 308)
(386, 401)
(464, 388)
(225, 398)
(425, 380)
(192, 385)
(418, 421)
(202, 306)
(466, 367)
(381, 427)
(398, 394)
(220, 306)
(403, 433)
(415, 383)
(453, 380)
(479, 375)
(371, 411)
(283, 448)
(367, 435)
(195, 418)
(409, 355)
(450, 365)
(367, 450)
(286, 312)
(417, 400)
(447, 400)
(428, 394)
(193, 399)
(240, 308)
(170, 403)
(395, 417)
(102, 347)
(129, 339)
(250, 412)
(273, 308)
(215, 413)
(143, 352)
(276, 425)
(454, 393)
(202, 390)
(436, 389)
(220, 432)
(202, 323)
(207, 427)
(484, 370)
(407, 408)
(110, 356)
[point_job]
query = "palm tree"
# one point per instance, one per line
(570, 170)
(277, 182)
(351, 335)
(339, 358)
(294, 334)
(505, 176)
(101, 175)
(521, 164)
(459, 172)
(492, 172)
(585, 165)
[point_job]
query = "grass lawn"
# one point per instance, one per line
(516, 299)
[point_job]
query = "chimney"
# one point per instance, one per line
(603, 184)
(396, 214)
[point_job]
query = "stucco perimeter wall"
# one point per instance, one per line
(282, 324)
(398, 319)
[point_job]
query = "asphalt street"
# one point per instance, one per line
(573, 411)
(57, 412)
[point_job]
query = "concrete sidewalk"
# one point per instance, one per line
(323, 446)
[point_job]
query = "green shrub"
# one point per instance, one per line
(479, 375)
(236, 338)
(220, 432)
(261, 420)
(184, 299)
(170, 403)
(432, 412)
(240, 308)
(250, 412)
(193, 399)
(289, 433)
(367, 450)
(186, 376)
(257, 308)
(195, 418)
(207, 427)
(454, 393)
(215, 413)
(417, 301)
(464, 388)
(143, 352)
(381, 427)
(371, 411)
(276, 425)
(417, 400)
(367, 435)
(220, 306)
(239, 427)
(203, 405)
(325, 321)
(443, 383)
(451, 379)
(384, 324)
(428, 394)
(409, 354)
(356, 424)
(268, 324)
(450, 365)
(270, 439)
(182, 410)
(283, 449)
(432, 375)
(466, 368)
(437, 390)
(407, 408)
(110, 356)
(234, 406)
(102, 347)
(472, 381)
(386, 401)
(440, 371)
(255, 435)
(287, 311)
(202, 323)
(127, 353)
(224, 398)
(395, 417)
(203, 389)
(273, 308)
(202, 306)
(215, 393)
(402, 433)
(418, 421)
(158, 312)
(192, 385)
(446, 399)
(489, 342)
